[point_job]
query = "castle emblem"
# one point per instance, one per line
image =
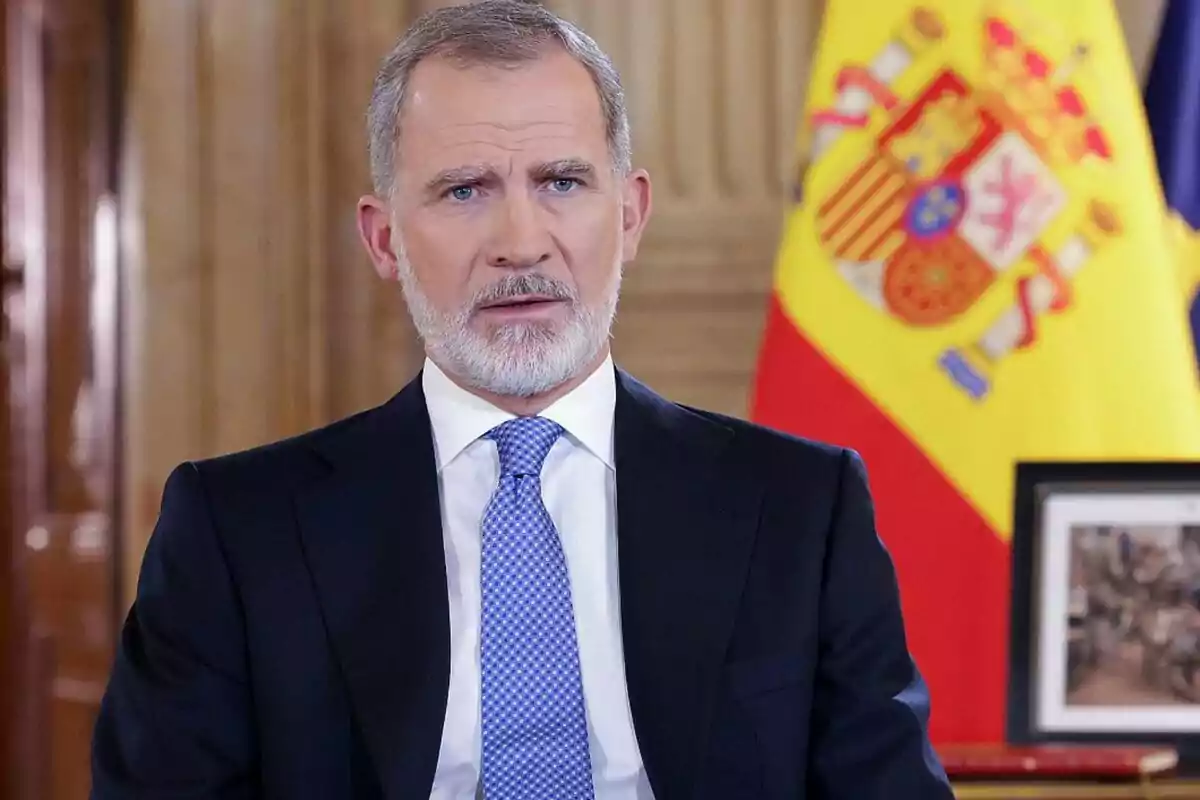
(966, 186)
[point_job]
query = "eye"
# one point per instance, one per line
(461, 193)
(563, 185)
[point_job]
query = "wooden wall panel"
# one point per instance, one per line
(246, 215)
(168, 390)
(368, 348)
(1141, 20)
(252, 312)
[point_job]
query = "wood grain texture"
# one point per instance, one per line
(1141, 20)
(251, 312)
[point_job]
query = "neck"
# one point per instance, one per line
(534, 404)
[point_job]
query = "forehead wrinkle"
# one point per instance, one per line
(512, 127)
(469, 142)
(511, 147)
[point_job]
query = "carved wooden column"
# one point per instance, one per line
(374, 348)
(1140, 20)
(252, 312)
(262, 160)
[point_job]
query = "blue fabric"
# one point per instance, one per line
(535, 738)
(1173, 110)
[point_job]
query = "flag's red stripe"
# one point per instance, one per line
(953, 568)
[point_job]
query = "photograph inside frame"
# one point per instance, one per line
(1120, 597)
(1134, 615)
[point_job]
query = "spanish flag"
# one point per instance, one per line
(975, 273)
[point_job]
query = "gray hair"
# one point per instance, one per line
(502, 32)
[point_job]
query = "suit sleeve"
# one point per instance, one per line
(871, 706)
(175, 722)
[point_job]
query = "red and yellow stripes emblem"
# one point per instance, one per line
(861, 220)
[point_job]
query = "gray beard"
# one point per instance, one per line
(519, 359)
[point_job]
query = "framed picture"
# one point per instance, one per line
(1105, 626)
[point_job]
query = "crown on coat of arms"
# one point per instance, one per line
(1023, 86)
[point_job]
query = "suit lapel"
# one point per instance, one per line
(685, 530)
(373, 539)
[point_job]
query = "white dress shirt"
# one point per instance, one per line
(579, 490)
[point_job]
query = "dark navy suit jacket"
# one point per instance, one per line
(290, 635)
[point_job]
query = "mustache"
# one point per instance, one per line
(518, 285)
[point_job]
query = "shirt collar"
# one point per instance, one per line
(459, 417)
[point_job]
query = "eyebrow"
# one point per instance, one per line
(565, 168)
(459, 175)
(480, 173)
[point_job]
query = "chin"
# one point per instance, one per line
(525, 334)
(521, 360)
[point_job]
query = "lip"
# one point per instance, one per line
(524, 307)
(523, 299)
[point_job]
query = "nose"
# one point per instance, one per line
(520, 238)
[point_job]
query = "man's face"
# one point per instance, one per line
(508, 227)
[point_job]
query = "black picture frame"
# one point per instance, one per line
(1035, 483)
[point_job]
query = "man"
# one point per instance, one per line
(527, 575)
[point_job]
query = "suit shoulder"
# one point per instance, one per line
(749, 439)
(756, 440)
(281, 460)
(801, 476)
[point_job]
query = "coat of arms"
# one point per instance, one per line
(961, 186)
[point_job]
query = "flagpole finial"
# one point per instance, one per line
(1079, 54)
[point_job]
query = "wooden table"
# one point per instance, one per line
(1157, 790)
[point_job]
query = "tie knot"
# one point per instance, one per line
(523, 444)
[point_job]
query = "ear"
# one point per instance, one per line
(635, 212)
(375, 229)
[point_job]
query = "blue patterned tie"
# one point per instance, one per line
(535, 738)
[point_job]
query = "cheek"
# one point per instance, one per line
(441, 257)
(593, 251)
